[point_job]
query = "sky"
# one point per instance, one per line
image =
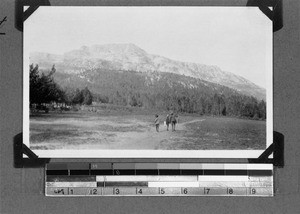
(236, 39)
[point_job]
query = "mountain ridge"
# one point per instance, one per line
(131, 57)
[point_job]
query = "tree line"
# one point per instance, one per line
(165, 91)
(44, 90)
(148, 90)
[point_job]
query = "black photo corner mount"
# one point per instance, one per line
(274, 15)
(32, 159)
(277, 148)
(21, 16)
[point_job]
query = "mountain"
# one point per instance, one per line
(133, 58)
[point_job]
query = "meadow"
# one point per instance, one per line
(111, 129)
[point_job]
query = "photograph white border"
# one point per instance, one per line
(146, 153)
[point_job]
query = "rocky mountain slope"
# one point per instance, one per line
(131, 57)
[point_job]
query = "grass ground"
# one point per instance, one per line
(120, 130)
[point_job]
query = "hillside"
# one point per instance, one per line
(161, 91)
(131, 57)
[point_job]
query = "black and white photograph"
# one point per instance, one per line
(147, 82)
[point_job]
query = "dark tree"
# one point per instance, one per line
(262, 109)
(77, 97)
(43, 89)
(86, 96)
(34, 84)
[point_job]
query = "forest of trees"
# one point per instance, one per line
(148, 90)
(189, 101)
(44, 90)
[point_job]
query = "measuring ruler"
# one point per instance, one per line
(158, 179)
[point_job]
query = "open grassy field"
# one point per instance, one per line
(118, 130)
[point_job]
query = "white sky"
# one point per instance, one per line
(237, 39)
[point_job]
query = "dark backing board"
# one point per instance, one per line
(22, 189)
